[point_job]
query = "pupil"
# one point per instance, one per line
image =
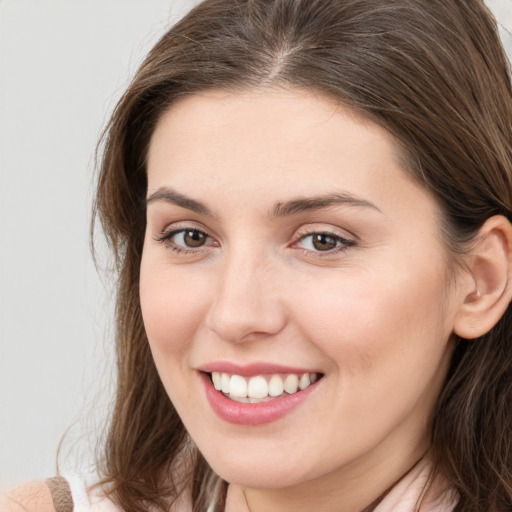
(194, 238)
(324, 242)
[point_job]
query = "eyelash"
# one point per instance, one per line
(342, 243)
(166, 239)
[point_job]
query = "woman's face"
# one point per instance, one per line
(284, 243)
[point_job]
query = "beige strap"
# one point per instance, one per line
(61, 494)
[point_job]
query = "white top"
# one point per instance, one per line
(87, 500)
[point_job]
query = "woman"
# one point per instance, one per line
(309, 202)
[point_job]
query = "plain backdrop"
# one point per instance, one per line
(63, 65)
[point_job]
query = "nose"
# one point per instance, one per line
(246, 303)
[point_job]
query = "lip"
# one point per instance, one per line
(252, 369)
(240, 413)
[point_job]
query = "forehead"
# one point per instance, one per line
(283, 115)
(266, 143)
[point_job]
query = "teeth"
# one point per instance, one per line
(291, 384)
(237, 386)
(225, 382)
(305, 381)
(261, 388)
(275, 386)
(257, 388)
(217, 380)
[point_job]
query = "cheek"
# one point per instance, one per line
(172, 306)
(375, 323)
(387, 343)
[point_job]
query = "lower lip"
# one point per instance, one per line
(240, 413)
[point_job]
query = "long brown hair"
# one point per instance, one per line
(434, 74)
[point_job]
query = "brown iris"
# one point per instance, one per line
(194, 238)
(324, 242)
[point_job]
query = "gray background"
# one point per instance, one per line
(63, 64)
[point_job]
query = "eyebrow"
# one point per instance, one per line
(169, 195)
(288, 208)
(300, 205)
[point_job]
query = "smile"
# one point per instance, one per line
(261, 388)
(256, 394)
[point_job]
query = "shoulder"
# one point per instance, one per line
(33, 497)
(57, 494)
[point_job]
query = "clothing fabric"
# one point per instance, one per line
(61, 494)
(86, 498)
(418, 491)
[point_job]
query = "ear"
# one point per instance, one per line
(490, 290)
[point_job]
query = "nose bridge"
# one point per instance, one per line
(246, 301)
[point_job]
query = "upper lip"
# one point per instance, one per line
(250, 369)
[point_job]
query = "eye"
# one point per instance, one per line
(324, 242)
(190, 238)
(185, 239)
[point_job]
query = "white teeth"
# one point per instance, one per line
(225, 382)
(291, 383)
(260, 388)
(257, 388)
(237, 386)
(275, 386)
(304, 381)
(217, 380)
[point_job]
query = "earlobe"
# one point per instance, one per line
(490, 265)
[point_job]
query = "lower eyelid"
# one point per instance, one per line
(336, 252)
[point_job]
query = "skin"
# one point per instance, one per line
(374, 315)
(34, 497)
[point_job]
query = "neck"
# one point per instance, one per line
(357, 489)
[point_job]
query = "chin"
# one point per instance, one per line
(263, 467)
(260, 476)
